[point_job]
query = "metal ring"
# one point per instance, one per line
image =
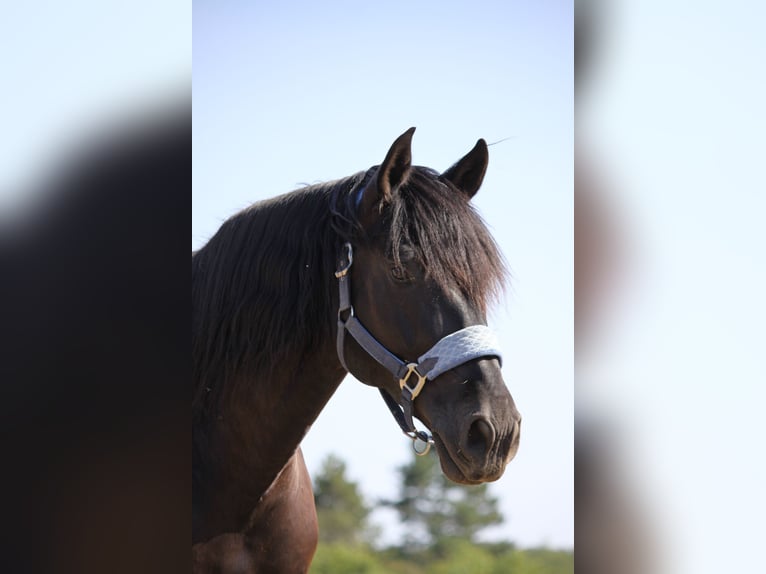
(425, 450)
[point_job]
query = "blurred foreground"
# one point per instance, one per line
(94, 358)
(95, 173)
(669, 286)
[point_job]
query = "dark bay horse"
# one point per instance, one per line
(359, 275)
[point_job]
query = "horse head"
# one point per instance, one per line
(424, 268)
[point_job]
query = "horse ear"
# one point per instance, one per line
(392, 172)
(396, 167)
(468, 173)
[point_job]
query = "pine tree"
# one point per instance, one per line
(342, 512)
(436, 510)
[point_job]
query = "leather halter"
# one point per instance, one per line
(449, 352)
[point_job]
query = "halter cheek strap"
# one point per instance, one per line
(449, 352)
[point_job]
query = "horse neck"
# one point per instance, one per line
(254, 435)
(255, 401)
(271, 415)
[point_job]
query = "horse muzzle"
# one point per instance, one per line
(480, 452)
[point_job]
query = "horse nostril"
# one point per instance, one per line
(481, 436)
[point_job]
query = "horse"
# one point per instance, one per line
(360, 275)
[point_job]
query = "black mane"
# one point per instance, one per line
(448, 236)
(261, 285)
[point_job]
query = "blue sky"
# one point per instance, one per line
(300, 92)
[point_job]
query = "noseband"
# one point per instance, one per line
(449, 352)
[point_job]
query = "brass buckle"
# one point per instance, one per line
(349, 261)
(412, 368)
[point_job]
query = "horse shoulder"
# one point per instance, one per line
(281, 534)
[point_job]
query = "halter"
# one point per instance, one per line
(449, 352)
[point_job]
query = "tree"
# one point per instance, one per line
(342, 512)
(437, 510)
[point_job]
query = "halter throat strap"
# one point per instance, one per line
(449, 352)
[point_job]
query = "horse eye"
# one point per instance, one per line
(400, 274)
(406, 253)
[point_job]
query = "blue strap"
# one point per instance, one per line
(391, 362)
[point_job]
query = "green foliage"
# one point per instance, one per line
(341, 559)
(341, 510)
(437, 510)
(462, 557)
(442, 519)
(534, 561)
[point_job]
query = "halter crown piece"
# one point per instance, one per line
(449, 352)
